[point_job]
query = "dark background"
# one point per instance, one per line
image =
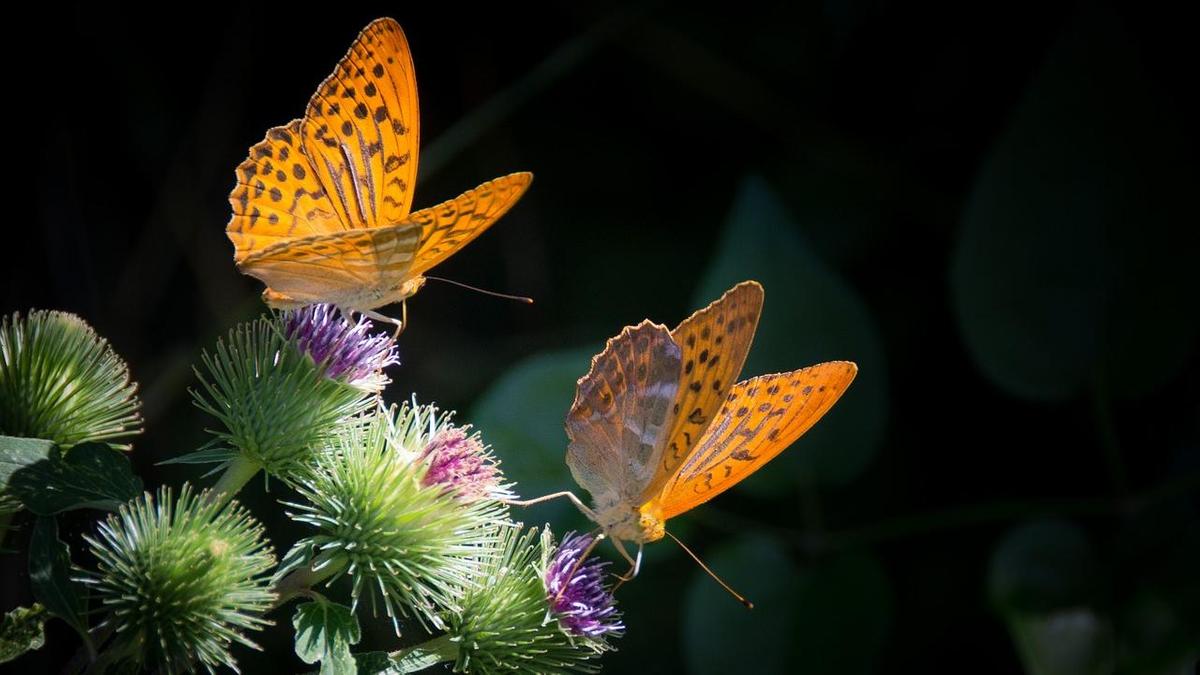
(991, 211)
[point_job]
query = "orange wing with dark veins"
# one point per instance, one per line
(277, 196)
(714, 342)
(361, 130)
(335, 267)
(758, 420)
(451, 225)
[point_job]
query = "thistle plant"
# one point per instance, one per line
(181, 580)
(59, 381)
(575, 586)
(392, 514)
(281, 387)
(536, 608)
(62, 382)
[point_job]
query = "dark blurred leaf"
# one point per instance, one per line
(324, 632)
(19, 453)
(1158, 634)
(810, 315)
(831, 617)
(720, 634)
(521, 416)
(1046, 582)
(1075, 641)
(1073, 264)
(1044, 566)
(844, 615)
(22, 630)
(91, 475)
(50, 576)
(1158, 619)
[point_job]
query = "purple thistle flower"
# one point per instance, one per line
(347, 350)
(583, 605)
(460, 462)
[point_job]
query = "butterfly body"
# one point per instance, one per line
(658, 425)
(637, 525)
(322, 209)
(359, 300)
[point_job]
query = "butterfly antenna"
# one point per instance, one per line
(518, 298)
(719, 580)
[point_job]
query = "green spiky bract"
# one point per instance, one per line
(414, 547)
(62, 382)
(505, 625)
(181, 580)
(276, 405)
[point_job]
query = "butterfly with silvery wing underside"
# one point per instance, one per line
(658, 425)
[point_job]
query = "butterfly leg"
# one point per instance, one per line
(579, 563)
(635, 565)
(555, 495)
(399, 323)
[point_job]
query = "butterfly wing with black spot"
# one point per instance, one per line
(449, 226)
(759, 419)
(619, 420)
(361, 130)
(277, 196)
(714, 342)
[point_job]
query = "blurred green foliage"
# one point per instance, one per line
(1073, 269)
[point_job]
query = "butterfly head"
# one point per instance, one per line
(622, 522)
(410, 287)
(653, 528)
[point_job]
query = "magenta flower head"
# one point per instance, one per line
(578, 597)
(461, 463)
(348, 351)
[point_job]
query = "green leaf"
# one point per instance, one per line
(22, 630)
(1072, 265)
(374, 663)
(441, 649)
(810, 315)
(831, 617)
(50, 576)
(20, 453)
(522, 417)
(92, 475)
(324, 632)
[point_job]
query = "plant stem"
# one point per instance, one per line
(297, 582)
(429, 653)
(237, 474)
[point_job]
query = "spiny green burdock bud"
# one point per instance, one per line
(181, 580)
(282, 386)
(536, 609)
(412, 544)
(62, 382)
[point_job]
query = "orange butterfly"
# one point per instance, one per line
(322, 206)
(658, 427)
